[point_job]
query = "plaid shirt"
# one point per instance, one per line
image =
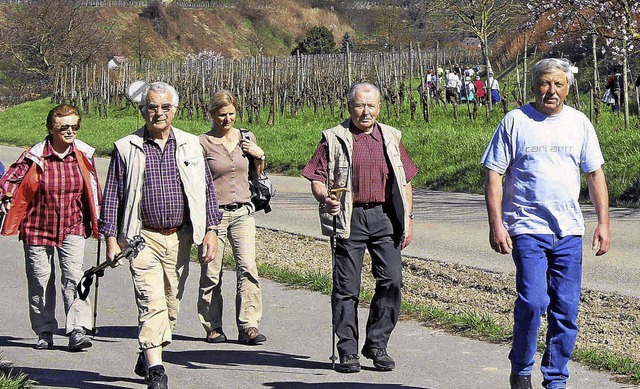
(163, 203)
(370, 166)
(56, 210)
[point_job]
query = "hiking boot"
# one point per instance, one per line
(520, 381)
(78, 340)
(349, 363)
(45, 341)
(216, 336)
(141, 368)
(381, 360)
(157, 378)
(251, 336)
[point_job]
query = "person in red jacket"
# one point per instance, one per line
(50, 197)
(480, 91)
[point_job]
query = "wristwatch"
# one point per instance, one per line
(263, 157)
(411, 215)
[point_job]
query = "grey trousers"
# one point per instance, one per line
(371, 229)
(40, 269)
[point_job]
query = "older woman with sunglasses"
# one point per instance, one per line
(50, 196)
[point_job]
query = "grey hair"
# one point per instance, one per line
(159, 87)
(351, 95)
(547, 65)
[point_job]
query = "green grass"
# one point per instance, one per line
(446, 151)
(12, 380)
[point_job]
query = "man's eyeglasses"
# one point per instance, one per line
(158, 108)
(66, 127)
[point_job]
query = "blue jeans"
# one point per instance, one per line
(548, 279)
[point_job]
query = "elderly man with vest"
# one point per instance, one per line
(369, 163)
(50, 196)
(158, 187)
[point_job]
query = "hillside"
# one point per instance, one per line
(233, 32)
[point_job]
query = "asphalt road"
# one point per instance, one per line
(449, 227)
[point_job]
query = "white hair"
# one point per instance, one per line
(351, 95)
(159, 87)
(547, 65)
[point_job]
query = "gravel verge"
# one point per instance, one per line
(608, 322)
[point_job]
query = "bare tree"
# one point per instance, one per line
(391, 26)
(42, 34)
(614, 21)
(139, 38)
(484, 19)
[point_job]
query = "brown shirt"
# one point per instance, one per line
(230, 170)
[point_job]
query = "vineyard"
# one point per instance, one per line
(266, 86)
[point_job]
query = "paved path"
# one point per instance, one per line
(449, 227)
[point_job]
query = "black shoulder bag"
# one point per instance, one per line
(260, 186)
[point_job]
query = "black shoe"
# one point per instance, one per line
(520, 381)
(251, 336)
(349, 363)
(157, 378)
(141, 368)
(78, 340)
(381, 360)
(216, 336)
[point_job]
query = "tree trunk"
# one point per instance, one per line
(524, 70)
(625, 83)
(484, 47)
(594, 51)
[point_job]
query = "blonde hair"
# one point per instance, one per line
(222, 99)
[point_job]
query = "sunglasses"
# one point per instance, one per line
(66, 127)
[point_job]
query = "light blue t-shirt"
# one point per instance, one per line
(541, 157)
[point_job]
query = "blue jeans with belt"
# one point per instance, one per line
(548, 280)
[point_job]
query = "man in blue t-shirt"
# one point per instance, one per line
(540, 149)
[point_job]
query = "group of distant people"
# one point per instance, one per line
(462, 85)
(176, 189)
(614, 93)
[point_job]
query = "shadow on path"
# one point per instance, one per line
(337, 385)
(200, 358)
(69, 378)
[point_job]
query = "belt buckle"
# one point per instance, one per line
(232, 207)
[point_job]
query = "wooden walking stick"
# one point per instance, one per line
(333, 356)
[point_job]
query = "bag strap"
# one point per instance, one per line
(253, 172)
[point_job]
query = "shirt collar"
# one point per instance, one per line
(147, 138)
(359, 135)
(49, 152)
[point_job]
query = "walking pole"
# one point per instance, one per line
(334, 358)
(94, 330)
